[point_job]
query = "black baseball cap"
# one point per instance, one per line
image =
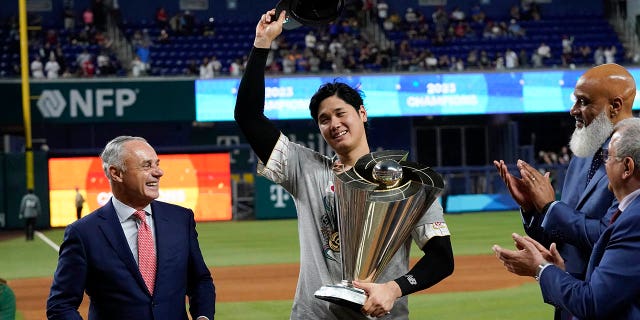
(309, 12)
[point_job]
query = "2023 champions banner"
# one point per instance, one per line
(407, 94)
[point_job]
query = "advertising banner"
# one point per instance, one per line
(96, 101)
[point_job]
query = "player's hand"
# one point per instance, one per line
(380, 297)
(516, 186)
(538, 185)
(268, 29)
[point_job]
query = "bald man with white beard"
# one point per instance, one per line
(603, 96)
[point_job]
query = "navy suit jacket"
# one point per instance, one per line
(612, 285)
(95, 257)
(577, 221)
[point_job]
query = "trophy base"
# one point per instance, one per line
(345, 296)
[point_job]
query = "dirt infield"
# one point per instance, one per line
(247, 283)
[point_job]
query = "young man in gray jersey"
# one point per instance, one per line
(307, 175)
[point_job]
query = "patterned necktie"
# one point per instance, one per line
(595, 164)
(146, 251)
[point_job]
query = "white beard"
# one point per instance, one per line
(587, 140)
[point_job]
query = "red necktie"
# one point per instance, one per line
(615, 216)
(146, 251)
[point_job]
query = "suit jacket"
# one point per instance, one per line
(95, 257)
(612, 285)
(577, 221)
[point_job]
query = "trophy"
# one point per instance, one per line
(378, 203)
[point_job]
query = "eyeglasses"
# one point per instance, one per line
(606, 156)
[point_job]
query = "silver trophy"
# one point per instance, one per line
(378, 204)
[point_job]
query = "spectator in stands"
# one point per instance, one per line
(138, 67)
(529, 10)
(162, 18)
(598, 56)
(104, 42)
(383, 10)
(536, 60)
(584, 54)
(235, 69)
(83, 56)
(69, 18)
(62, 62)
(472, 59)
(37, 69)
(216, 65)
(46, 51)
(477, 15)
(457, 15)
(105, 67)
(610, 54)
(310, 40)
(288, 64)
(440, 20)
(544, 51)
(567, 51)
(51, 37)
(88, 69)
(314, 63)
(510, 59)
(484, 60)
(444, 63)
(498, 64)
(523, 58)
(206, 69)
(87, 18)
(515, 30)
(52, 68)
(565, 155)
(188, 22)
(163, 37)
(192, 68)
(457, 64)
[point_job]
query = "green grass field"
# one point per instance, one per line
(276, 241)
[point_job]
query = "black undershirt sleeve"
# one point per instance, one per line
(433, 267)
(260, 132)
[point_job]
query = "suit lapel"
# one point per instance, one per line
(600, 174)
(112, 231)
(163, 231)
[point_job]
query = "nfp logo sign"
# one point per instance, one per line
(92, 103)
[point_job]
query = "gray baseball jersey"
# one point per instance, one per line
(307, 175)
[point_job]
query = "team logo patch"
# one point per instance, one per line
(334, 242)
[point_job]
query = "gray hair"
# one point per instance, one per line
(113, 153)
(629, 143)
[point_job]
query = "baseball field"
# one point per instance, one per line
(255, 269)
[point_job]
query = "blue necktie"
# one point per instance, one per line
(595, 164)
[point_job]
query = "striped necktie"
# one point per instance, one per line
(146, 251)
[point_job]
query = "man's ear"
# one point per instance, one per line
(115, 174)
(629, 167)
(363, 113)
(616, 106)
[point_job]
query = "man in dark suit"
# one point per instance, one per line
(135, 257)
(612, 284)
(604, 96)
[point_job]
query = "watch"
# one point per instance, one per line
(541, 267)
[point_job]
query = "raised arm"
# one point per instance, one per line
(260, 132)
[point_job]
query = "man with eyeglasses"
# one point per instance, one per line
(603, 97)
(612, 284)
